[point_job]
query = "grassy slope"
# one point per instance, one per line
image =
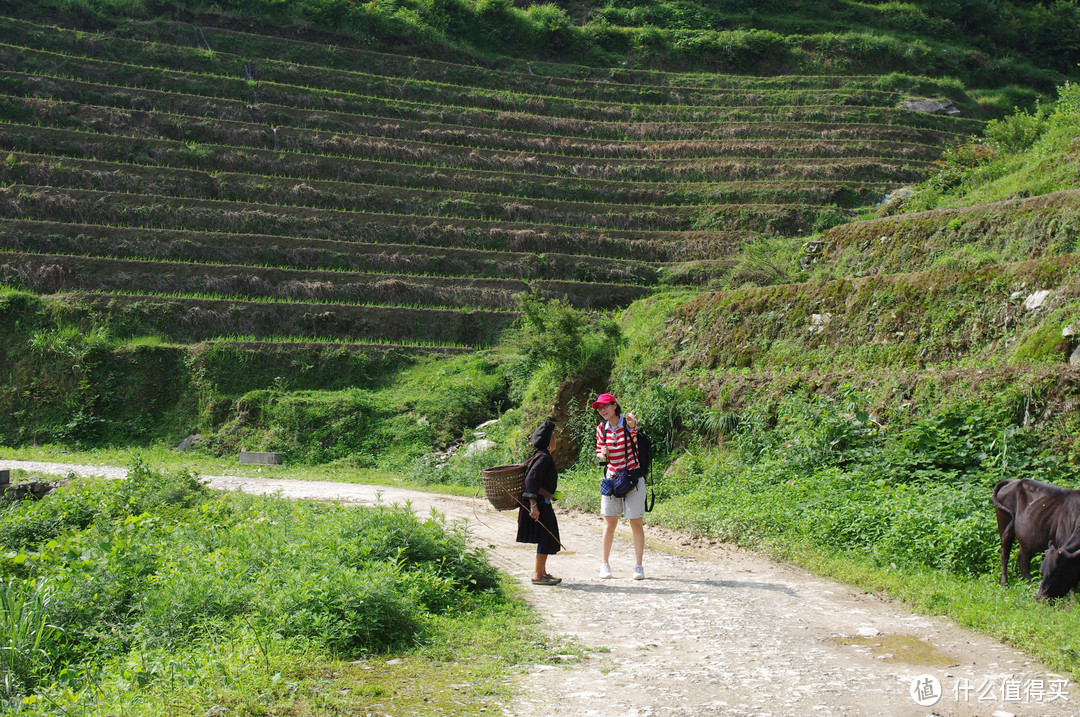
(999, 45)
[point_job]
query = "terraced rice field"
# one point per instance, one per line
(904, 306)
(271, 190)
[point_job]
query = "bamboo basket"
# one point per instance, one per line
(503, 485)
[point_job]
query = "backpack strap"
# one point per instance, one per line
(603, 464)
(633, 445)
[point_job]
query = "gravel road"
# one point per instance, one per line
(715, 630)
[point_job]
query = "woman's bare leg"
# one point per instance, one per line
(610, 523)
(637, 527)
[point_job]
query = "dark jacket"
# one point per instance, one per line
(540, 474)
(540, 477)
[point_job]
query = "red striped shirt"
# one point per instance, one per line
(617, 440)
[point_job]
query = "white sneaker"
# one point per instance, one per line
(639, 572)
(605, 571)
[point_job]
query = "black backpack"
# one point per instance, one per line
(642, 450)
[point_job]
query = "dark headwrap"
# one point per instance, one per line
(541, 437)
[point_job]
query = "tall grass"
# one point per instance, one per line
(26, 634)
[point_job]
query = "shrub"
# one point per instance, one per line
(1068, 102)
(189, 566)
(553, 346)
(552, 30)
(349, 610)
(29, 524)
(572, 342)
(1018, 131)
(766, 262)
(144, 490)
(667, 412)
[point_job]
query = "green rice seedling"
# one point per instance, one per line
(38, 272)
(189, 319)
(289, 339)
(447, 130)
(212, 296)
(104, 175)
(360, 136)
(633, 175)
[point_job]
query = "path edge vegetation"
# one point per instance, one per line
(151, 595)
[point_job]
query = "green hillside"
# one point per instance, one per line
(337, 190)
(209, 209)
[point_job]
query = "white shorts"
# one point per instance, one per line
(632, 505)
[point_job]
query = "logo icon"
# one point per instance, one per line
(925, 690)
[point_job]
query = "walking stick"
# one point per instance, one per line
(518, 501)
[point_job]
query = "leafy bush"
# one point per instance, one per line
(1068, 102)
(766, 262)
(555, 343)
(348, 610)
(31, 523)
(556, 333)
(666, 411)
(551, 28)
(144, 490)
(163, 563)
(1018, 131)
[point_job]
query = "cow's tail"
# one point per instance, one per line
(1000, 484)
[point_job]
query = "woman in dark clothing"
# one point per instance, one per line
(538, 524)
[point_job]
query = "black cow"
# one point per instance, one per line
(1037, 515)
(1060, 569)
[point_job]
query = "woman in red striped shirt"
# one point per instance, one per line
(616, 437)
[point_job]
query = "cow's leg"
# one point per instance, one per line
(1005, 530)
(1024, 559)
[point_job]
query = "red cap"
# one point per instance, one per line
(602, 399)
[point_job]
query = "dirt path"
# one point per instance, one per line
(716, 630)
